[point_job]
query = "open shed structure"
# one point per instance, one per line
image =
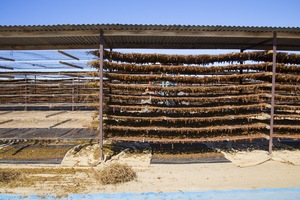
(253, 84)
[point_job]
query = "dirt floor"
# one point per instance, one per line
(80, 167)
(46, 119)
(78, 174)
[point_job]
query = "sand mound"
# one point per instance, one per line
(86, 156)
(289, 157)
(81, 155)
(257, 157)
(246, 159)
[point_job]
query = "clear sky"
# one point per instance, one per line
(184, 12)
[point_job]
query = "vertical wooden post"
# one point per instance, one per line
(25, 93)
(73, 94)
(241, 72)
(35, 84)
(110, 81)
(77, 90)
(101, 95)
(273, 93)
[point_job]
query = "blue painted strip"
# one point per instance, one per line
(263, 194)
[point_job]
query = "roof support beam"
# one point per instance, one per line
(8, 59)
(59, 123)
(66, 54)
(71, 75)
(149, 46)
(71, 65)
(258, 44)
(48, 47)
(68, 73)
(146, 36)
(141, 32)
(4, 67)
(6, 121)
(178, 33)
(34, 64)
(58, 113)
(45, 33)
(223, 34)
(6, 76)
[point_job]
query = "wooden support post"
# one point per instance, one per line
(273, 93)
(101, 95)
(110, 81)
(25, 94)
(73, 94)
(241, 72)
(35, 85)
(77, 90)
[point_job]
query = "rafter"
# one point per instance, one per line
(71, 65)
(8, 59)
(66, 54)
(4, 67)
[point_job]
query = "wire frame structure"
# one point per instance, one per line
(46, 80)
(197, 98)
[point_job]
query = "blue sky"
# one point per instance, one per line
(284, 13)
(184, 12)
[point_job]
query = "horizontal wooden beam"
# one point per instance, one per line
(57, 113)
(35, 64)
(68, 55)
(241, 42)
(68, 73)
(258, 44)
(145, 36)
(59, 123)
(151, 33)
(4, 67)
(188, 140)
(41, 34)
(6, 121)
(46, 95)
(177, 33)
(48, 47)
(148, 46)
(6, 76)
(8, 59)
(71, 65)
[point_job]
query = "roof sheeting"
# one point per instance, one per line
(87, 36)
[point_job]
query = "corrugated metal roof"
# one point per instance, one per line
(86, 36)
(147, 27)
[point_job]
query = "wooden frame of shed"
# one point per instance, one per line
(114, 36)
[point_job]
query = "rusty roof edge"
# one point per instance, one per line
(160, 27)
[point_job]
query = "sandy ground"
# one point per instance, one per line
(248, 170)
(194, 177)
(39, 119)
(280, 171)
